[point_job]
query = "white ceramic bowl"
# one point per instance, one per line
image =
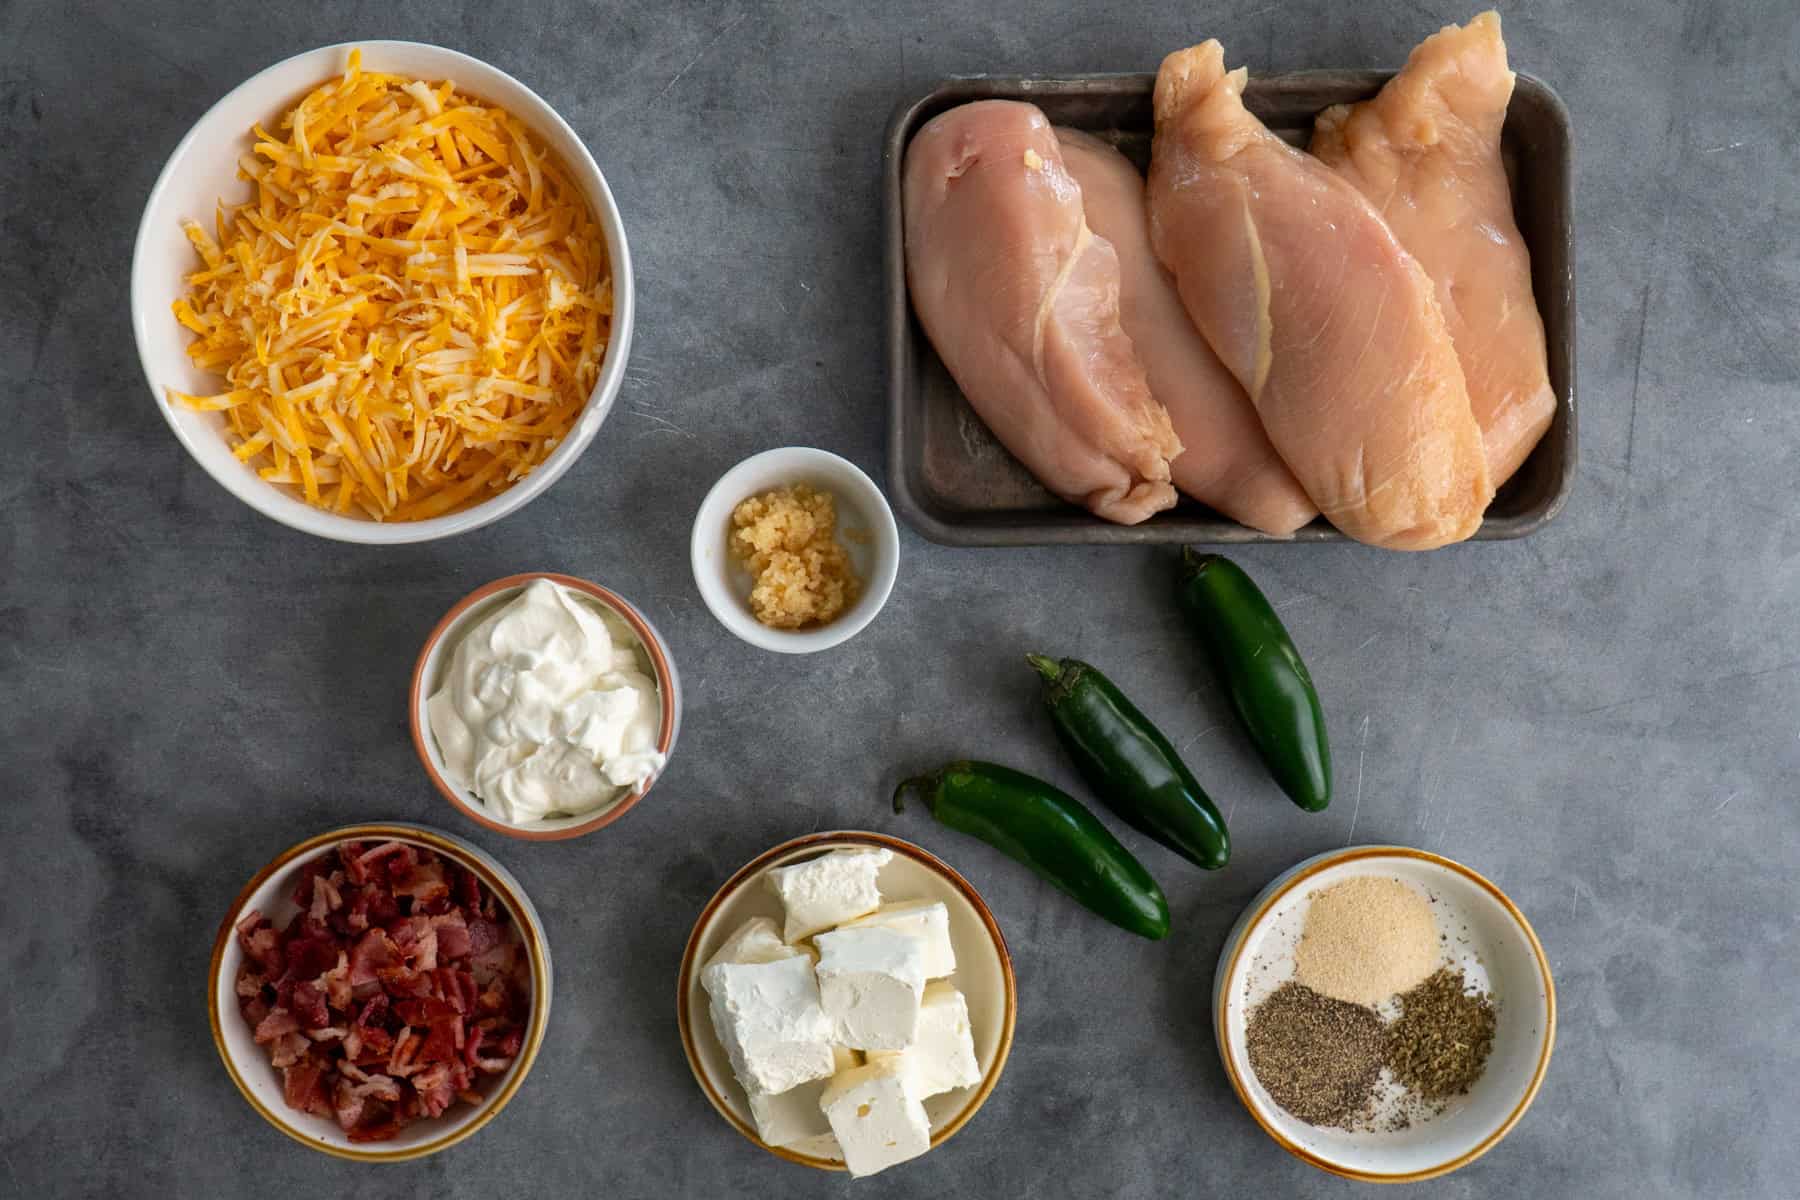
(270, 892)
(983, 974)
(442, 643)
(865, 527)
(203, 168)
(1488, 937)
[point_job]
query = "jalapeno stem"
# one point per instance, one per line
(1197, 562)
(1047, 667)
(917, 781)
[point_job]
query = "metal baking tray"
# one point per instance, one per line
(954, 483)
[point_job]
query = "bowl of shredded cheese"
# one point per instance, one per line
(381, 292)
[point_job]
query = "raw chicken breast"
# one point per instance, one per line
(1227, 462)
(1022, 302)
(1330, 325)
(1426, 152)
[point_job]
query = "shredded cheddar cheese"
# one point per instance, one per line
(411, 310)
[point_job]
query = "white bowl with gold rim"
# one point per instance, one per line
(1486, 936)
(270, 892)
(983, 974)
(202, 169)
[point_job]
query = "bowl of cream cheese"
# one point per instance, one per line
(544, 706)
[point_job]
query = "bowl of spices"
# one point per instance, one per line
(1385, 1014)
(795, 550)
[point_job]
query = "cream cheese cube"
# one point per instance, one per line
(757, 940)
(793, 1118)
(927, 920)
(942, 1057)
(870, 984)
(768, 1018)
(828, 890)
(877, 1119)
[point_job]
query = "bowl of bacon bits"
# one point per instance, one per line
(379, 992)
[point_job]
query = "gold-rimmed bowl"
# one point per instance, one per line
(435, 655)
(984, 975)
(1485, 934)
(270, 892)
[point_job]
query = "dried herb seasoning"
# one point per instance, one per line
(1318, 1058)
(1439, 1044)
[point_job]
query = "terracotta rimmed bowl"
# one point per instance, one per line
(203, 168)
(442, 643)
(270, 892)
(984, 974)
(1486, 935)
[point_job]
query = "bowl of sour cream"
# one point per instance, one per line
(544, 706)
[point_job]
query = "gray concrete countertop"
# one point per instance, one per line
(1601, 718)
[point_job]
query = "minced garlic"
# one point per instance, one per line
(786, 539)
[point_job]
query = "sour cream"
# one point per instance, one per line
(546, 708)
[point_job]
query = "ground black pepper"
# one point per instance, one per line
(1318, 1058)
(1439, 1044)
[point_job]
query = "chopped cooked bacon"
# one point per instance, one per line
(262, 943)
(309, 870)
(381, 1087)
(374, 1012)
(374, 952)
(326, 898)
(424, 882)
(453, 939)
(303, 1087)
(279, 1023)
(458, 988)
(288, 1049)
(309, 957)
(404, 981)
(435, 1089)
(404, 1059)
(417, 941)
(424, 1010)
(308, 999)
(372, 1045)
(347, 1105)
(484, 935)
(338, 989)
(393, 987)
(466, 887)
(443, 1041)
(396, 854)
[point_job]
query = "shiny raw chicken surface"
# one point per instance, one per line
(1228, 462)
(1426, 152)
(1330, 325)
(1021, 300)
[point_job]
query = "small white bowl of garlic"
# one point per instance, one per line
(813, 596)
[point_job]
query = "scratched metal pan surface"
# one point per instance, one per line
(955, 484)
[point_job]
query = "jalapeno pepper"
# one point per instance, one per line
(1263, 673)
(1050, 832)
(1129, 763)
